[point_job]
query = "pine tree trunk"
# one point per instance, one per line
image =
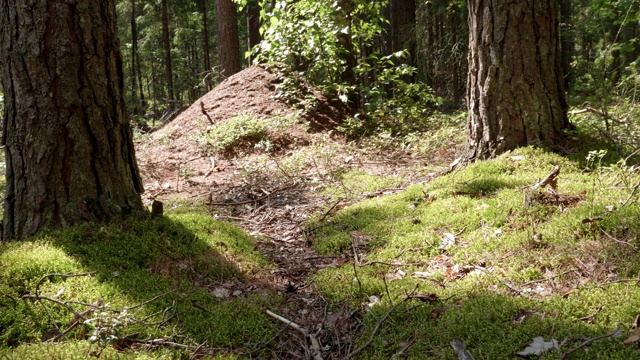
(515, 86)
(207, 47)
(167, 52)
(228, 40)
(253, 26)
(69, 149)
(134, 54)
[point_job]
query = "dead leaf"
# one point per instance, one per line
(435, 313)
(220, 292)
(424, 297)
(447, 240)
(373, 300)
(459, 347)
(591, 220)
(395, 275)
(404, 347)
(634, 337)
(538, 346)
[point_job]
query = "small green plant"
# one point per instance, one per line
(246, 131)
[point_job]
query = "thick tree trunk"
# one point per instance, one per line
(167, 52)
(515, 86)
(228, 40)
(69, 149)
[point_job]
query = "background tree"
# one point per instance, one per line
(69, 150)
(515, 84)
(228, 40)
(166, 40)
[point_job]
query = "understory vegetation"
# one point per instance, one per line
(475, 254)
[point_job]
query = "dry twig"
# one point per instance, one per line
(588, 342)
(315, 344)
(254, 200)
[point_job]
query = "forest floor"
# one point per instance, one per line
(283, 238)
(272, 194)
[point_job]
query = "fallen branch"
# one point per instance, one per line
(551, 180)
(635, 248)
(213, 167)
(315, 344)
(589, 317)
(597, 112)
(205, 113)
(254, 200)
(588, 342)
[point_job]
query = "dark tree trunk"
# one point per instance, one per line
(207, 47)
(403, 22)
(515, 84)
(134, 56)
(167, 52)
(228, 40)
(69, 149)
(253, 26)
(567, 42)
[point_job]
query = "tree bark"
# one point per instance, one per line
(134, 54)
(253, 26)
(207, 47)
(515, 86)
(228, 40)
(167, 52)
(69, 149)
(566, 40)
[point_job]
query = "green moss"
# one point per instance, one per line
(168, 264)
(482, 206)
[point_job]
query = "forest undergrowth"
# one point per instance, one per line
(388, 251)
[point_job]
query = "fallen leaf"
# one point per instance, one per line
(373, 300)
(430, 297)
(634, 337)
(538, 346)
(447, 241)
(395, 275)
(220, 292)
(459, 347)
(435, 313)
(422, 274)
(591, 220)
(404, 347)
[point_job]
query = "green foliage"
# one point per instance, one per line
(324, 43)
(245, 131)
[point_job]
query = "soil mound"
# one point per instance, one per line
(172, 154)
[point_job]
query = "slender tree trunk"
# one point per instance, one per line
(167, 52)
(566, 40)
(403, 22)
(134, 56)
(228, 40)
(143, 104)
(253, 27)
(68, 144)
(515, 85)
(207, 46)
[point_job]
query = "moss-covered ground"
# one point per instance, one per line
(477, 255)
